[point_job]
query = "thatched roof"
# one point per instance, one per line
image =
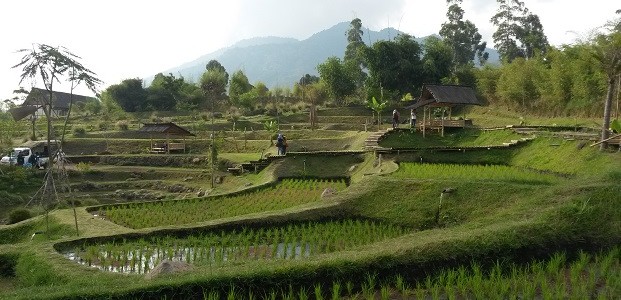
(60, 100)
(446, 95)
(21, 112)
(165, 129)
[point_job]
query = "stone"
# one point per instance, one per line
(167, 267)
(328, 192)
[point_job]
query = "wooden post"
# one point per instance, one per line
(424, 119)
(167, 145)
(442, 120)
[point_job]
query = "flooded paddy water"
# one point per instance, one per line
(295, 241)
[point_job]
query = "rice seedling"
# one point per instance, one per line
(288, 193)
(473, 173)
(293, 241)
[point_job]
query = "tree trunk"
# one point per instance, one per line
(607, 111)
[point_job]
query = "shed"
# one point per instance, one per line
(445, 96)
(165, 130)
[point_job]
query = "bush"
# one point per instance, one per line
(83, 167)
(103, 126)
(122, 125)
(79, 131)
(19, 215)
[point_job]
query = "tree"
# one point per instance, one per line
(239, 85)
(354, 56)
(50, 64)
(310, 92)
(129, 95)
(462, 36)
(213, 84)
(214, 65)
(339, 82)
(164, 92)
(532, 37)
(507, 20)
(607, 51)
(395, 67)
(437, 60)
(519, 33)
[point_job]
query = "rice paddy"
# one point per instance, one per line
(474, 173)
(294, 241)
(288, 193)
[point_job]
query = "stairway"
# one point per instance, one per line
(254, 166)
(372, 141)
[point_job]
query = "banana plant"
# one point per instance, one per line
(377, 107)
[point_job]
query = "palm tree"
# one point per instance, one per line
(607, 51)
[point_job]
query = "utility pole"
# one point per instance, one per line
(213, 139)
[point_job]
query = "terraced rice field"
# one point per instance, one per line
(294, 241)
(287, 193)
(474, 173)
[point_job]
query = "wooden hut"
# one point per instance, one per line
(167, 131)
(446, 97)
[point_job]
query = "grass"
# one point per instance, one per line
(452, 138)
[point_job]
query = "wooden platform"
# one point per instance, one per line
(163, 148)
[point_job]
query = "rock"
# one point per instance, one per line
(196, 160)
(345, 147)
(200, 193)
(352, 168)
(328, 192)
(448, 190)
(167, 267)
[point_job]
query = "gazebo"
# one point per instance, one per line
(166, 130)
(444, 96)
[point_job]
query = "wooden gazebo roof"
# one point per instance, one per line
(165, 129)
(445, 95)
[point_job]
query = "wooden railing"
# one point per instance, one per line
(166, 148)
(435, 123)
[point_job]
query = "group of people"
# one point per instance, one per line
(281, 144)
(395, 118)
(31, 162)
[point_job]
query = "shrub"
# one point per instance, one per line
(79, 131)
(83, 167)
(103, 126)
(122, 125)
(18, 215)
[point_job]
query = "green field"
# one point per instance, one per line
(539, 219)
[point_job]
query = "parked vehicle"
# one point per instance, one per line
(35, 154)
(25, 156)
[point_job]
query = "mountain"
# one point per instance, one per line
(278, 61)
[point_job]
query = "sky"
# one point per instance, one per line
(121, 39)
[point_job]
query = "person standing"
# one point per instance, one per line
(20, 159)
(413, 119)
(280, 144)
(395, 118)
